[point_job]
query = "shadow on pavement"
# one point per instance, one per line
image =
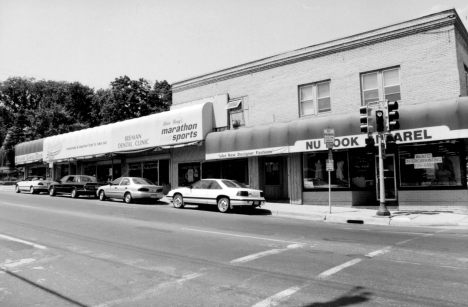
(61, 296)
(355, 296)
(419, 212)
(237, 210)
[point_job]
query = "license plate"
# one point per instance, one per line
(92, 188)
(154, 195)
(256, 202)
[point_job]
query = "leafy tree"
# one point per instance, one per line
(161, 96)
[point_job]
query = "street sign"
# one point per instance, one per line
(329, 165)
(329, 137)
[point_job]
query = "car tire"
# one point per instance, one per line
(128, 198)
(102, 196)
(74, 193)
(52, 191)
(17, 189)
(224, 205)
(31, 190)
(178, 201)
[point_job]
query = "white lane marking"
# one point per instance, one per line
(277, 298)
(23, 241)
(332, 271)
(423, 236)
(379, 252)
(145, 295)
(17, 263)
(265, 253)
(240, 236)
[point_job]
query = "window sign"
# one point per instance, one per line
(435, 164)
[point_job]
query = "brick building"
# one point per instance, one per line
(278, 107)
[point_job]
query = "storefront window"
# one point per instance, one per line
(424, 165)
(134, 170)
(89, 169)
(272, 171)
(316, 176)
(189, 173)
(236, 169)
(164, 173)
(362, 169)
(150, 171)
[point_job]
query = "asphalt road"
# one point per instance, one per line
(58, 251)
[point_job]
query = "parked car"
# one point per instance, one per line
(224, 193)
(33, 184)
(75, 185)
(131, 188)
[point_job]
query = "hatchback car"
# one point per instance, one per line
(224, 193)
(33, 184)
(131, 188)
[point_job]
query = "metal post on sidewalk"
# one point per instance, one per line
(383, 211)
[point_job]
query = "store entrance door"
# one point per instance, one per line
(276, 180)
(389, 178)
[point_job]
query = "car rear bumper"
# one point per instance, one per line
(147, 195)
(254, 202)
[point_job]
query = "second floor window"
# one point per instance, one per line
(314, 98)
(381, 85)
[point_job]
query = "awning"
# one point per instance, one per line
(167, 129)
(429, 121)
(29, 152)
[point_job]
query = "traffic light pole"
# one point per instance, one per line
(383, 211)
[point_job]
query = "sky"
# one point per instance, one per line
(95, 41)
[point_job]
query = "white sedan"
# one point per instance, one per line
(33, 184)
(221, 192)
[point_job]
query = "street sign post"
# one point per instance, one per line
(329, 137)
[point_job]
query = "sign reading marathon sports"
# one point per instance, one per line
(247, 153)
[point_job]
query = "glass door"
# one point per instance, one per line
(389, 177)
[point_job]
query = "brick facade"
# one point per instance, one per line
(430, 51)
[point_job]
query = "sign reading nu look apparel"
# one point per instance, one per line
(190, 124)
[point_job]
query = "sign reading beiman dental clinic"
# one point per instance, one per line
(185, 125)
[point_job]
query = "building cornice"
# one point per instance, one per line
(423, 24)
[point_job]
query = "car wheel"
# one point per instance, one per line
(128, 198)
(102, 196)
(223, 204)
(31, 190)
(74, 193)
(52, 191)
(17, 189)
(178, 201)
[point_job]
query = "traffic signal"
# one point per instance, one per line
(366, 119)
(370, 145)
(393, 116)
(379, 121)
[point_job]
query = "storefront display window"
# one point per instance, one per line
(189, 173)
(316, 176)
(150, 171)
(272, 172)
(134, 169)
(426, 165)
(164, 175)
(89, 169)
(236, 169)
(362, 170)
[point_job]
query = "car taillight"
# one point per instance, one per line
(40, 183)
(159, 190)
(242, 193)
(143, 190)
(261, 194)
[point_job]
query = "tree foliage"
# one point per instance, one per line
(32, 109)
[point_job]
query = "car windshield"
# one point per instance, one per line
(233, 184)
(142, 181)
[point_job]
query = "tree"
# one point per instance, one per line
(129, 99)
(161, 96)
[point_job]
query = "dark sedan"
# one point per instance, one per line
(75, 185)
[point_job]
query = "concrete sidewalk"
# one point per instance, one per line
(367, 216)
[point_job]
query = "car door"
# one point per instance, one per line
(111, 190)
(197, 193)
(122, 188)
(24, 184)
(214, 190)
(68, 184)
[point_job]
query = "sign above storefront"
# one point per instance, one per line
(248, 153)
